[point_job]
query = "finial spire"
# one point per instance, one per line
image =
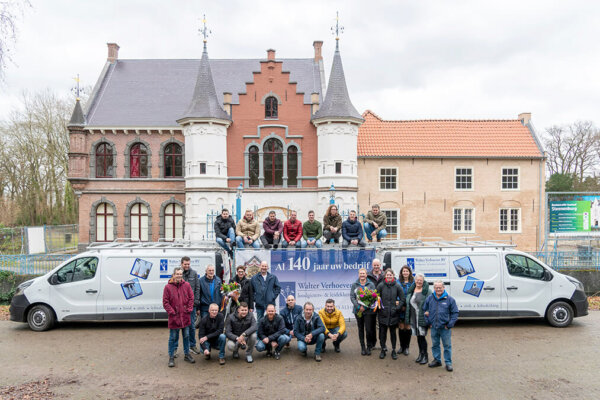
(337, 30)
(204, 31)
(77, 89)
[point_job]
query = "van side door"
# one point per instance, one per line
(74, 290)
(526, 285)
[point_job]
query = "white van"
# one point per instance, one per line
(114, 281)
(493, 280)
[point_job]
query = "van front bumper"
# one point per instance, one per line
(17, 309)
(581, 303)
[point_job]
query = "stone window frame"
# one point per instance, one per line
(127, 217)
(93, 157)
(93, 209)
(462, 214)
(161, 158)
(161, 216)
(126, 162)
(261, 168)
(508, 219)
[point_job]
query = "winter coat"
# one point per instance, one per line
(330, 221)
(211, 327)
(236, 326)
(380, 219)
(376, 281)
(222, 226)
(315, 327)
(265, 292)
(191, 277)
(410, 311)
(246, 292)
(333, 320)
(292, 231)
(312, 230)
(290, 316)
(205, 292)
(352, 230)
(270, 227)
(390, 292)
(271, 329)
(443, 311)
(369, 285)
(178, 302)
(247, 228)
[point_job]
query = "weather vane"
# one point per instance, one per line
(337, 29)
(204, 31)
(77, 90)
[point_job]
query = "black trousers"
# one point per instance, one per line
(366, 324)
(269, 241)
(422, 344)
(328, 235)
(383, 329)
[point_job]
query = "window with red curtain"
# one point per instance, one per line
(138, 161)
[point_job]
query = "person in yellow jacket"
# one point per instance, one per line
(335, 325)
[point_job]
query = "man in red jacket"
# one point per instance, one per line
(178, 301)
(292, 232)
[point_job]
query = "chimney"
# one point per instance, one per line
(113, 52)
(314, 100)
(525, 118)
(227, 102)
(318, 44)
(271, 54)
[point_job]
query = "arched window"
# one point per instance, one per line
(138, 161)
(292, 166)
(173, 161)
(138, 221)
(104, 223)
(271, 107)
(173, 222)
(104, 161)
(273, 162)
(253, 164)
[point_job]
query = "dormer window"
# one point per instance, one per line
(271, 107)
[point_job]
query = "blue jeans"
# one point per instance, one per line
(231, 236)
(192, 328)
(260, 312)
(302, 345)
(285, 244)
(340, 338)
(240, 243)
(220, 342)
(281, 341)
(174, 340)
(304, 243)
(369, 230)
(445, 335)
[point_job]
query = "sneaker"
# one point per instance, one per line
(435, 363)
(336, 347)
(303, 353)
(221, 361)
(449, 368)
(382, 354)
(175, 355)
(236, 354)
(207, 357)
(195, 350)
(171, 362)
(317, 357)
(277, 355)
(188, 357)
(249, 358)
(287, 345)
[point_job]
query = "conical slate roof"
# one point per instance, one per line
(337, 102)
(77, 119)
(205, 103)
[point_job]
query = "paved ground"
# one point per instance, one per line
(518, 359)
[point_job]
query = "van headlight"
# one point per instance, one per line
(575, 282)
(21, 288)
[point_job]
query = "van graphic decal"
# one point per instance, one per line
(141, 268)
(473, 286)
(132, 288)
(464, 266)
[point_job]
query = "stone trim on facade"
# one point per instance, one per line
(126, 154)
(92, 213)
(261, 165)
(93, 156)
(161, 157)
(128, 217)
(161, 216)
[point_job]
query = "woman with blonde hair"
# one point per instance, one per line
(415, 317)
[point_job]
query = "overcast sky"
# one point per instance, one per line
(402, 59)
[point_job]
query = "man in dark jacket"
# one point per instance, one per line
(178, 302)
(266, 289)
(191, 277)
(273, 228)
(210, 290)
(271, 333)
(352, 232)
(225, 231)
(241, 332)
(210, 333)
(309, 329)
(290, 313)
(246, 290)
(441, 313)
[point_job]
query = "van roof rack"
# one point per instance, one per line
(124, 243)
(442, 244)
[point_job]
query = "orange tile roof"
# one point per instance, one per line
(445, 138)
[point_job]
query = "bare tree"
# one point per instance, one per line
(573, 149)
(10, 11)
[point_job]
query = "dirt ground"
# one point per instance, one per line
(516, 359)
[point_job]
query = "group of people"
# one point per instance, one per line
(406, 307)
(293, 233)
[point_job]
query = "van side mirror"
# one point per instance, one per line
(547, 275)
(54, 279)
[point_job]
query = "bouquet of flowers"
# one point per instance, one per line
(230, 291)
(368, 298)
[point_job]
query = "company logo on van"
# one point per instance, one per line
(411, 263)
(164, 265)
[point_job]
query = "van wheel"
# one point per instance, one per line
(559, 314)
(40, 318)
